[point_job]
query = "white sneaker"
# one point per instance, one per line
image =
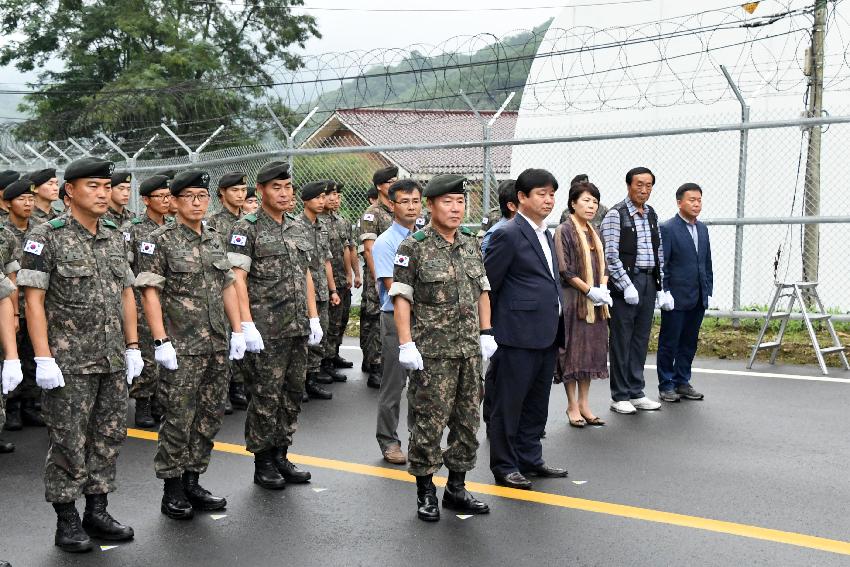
(625, 407)
(646, 404)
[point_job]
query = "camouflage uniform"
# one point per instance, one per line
(83, 276)
(40, 216)
(121, 218)
(375, 220)
(276, 257)
(316, 235)
(7, 288)
(443, 282)
(340, 239)
(191, 272)
(28, 389)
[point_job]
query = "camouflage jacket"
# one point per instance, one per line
(136, 231)
(339, 238)
(20, 238)
(316, 234)
(276, 257)
(375, 220)
(84, 276)
(443, 282)
(222, 221)
(191, 271)
(119, 218)
(40, 216)
(10, 258)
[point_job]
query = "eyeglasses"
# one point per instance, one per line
(196, 198)
(161, 197)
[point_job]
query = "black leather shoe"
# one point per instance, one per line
(143, 418)
(238, 399)
(314, 390)
(70, 535)
(266, 474)
(340, 362)
(13, 415)
(513, 480)
(30, 416)
(545, 471)
(329, 369)
(199, 497)
(6, 446)
(174, 502)
(291, 473)
(456, 497)
(100, 524)
(427, 505)
(228, 407)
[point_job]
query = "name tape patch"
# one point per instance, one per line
(147, 247)
(401, 260)
(33, 247)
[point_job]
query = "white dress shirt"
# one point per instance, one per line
(543, 239)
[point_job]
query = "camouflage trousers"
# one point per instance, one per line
(2, 412)
(338, 321)
(27, 389)
(370, 328)
(446, 393)
(145, 385)
(276, 383)
(315, 354)
(193, 397)
(86, 425)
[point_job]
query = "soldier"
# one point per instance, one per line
(441, 305)
(118, 199)
(343, 250)
(251, 203)
(232, 189)
(46, 193)
(6, 178)
(82, 323)
(376, 219)
(271, 260)
(156, 196)
(12, 374)
(188, 296)
(316, 233)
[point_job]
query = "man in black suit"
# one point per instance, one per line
(525, 298)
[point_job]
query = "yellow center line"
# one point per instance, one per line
(596, 506)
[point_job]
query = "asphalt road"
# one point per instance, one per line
(696, 483)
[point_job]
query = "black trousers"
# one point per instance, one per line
(629, 328)
(518, 404)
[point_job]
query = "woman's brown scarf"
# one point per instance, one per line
(584, 306)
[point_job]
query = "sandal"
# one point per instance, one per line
(594, 421)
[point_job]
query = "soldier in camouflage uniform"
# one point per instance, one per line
(118, 199)
(375, 220)
(252, 204)
(156, 196)
(6, 178)
(271, 260)
(82, 323)
(441, 306)
(46, 193)
(315, 231)
(187, 292)
(12, 374)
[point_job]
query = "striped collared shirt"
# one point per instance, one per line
(611, 236)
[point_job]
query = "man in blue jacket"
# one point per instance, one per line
(688, 276)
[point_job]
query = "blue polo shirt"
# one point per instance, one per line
(383, 254)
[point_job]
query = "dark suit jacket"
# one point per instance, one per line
(524, 295)
(687, 275)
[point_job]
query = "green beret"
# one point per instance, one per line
(120, 177)
(169, 173)
(153, 183)
(313, 190)
(445, 184)
(89, 168)
(17, 188)
(7, 177)
(231, 179)
(384, 175)
(273, 170)
(189, 178)
(41, 176)
(252, 192)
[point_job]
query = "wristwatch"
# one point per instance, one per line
(160, 342)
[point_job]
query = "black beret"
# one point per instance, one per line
(42, 176)
(62, 192)
(372, 193)
(189, 178)
(252, 192)
(384, 175)
(153, 183)
(335, 186)
(17, 188)
(444, 184)
(231, 179)
(121, 177)
(273, 170)
(89, 168)
(7, 177)
(313, 190)
(169, 173)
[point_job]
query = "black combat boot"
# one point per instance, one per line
(456, 497)
(427, 505)
(340, 362)
(199, 497)
(174, 502)
(70, 535)
(329, 369)
(364, 367)
(238, 399)
(157, 410)
(287, 468)
(144, 419)
(314, 390)
(30, 416)
(13, 415)
(374, 378)
(100, 524)
(265, 471)
(322, 378)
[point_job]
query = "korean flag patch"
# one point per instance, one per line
(33, 247)
(126, 237)
(147, 247)
(420, 221)
(369, 217)
(401, 260)
(238, 240)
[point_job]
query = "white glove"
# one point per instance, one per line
(664, 300)
(253, 338)
(599, 296)
(237, 346)
(409, 357)
(166, 356)
(133, 361)
(12, 375)
(488, 346)
(630, 294)
(671, 303)
(316, 332)
(48, 375)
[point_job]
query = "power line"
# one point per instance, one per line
(425, 10)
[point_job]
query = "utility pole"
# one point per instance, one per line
(811, 193)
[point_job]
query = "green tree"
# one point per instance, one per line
(129, 65)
